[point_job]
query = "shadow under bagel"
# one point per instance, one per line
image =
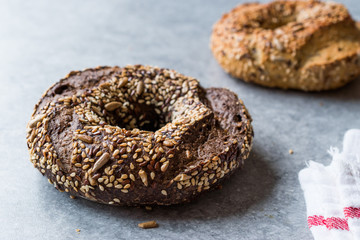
(245, 188)
(349, 92)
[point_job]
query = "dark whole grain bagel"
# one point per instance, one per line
(137, 135)
(305, 44)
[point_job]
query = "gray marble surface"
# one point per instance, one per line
(41, 41)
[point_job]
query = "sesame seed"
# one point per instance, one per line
(164, 166)
(140, 88)
(168, 143)
(181, 177)
(85, 166)
(132, 177)
(143, 177)
(101, 161)
(85, 138)
(37, 119)
(112, 178)
(116, 152)
(123, 82)
(111, 106)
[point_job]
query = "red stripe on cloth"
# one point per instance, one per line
(351, 212)
(315, 220)
(330, 223)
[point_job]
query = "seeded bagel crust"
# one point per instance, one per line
(137, 135)
(306, 45)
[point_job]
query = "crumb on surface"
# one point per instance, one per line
(291, 151)
(149, 224)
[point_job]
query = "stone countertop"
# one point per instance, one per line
(41, 41)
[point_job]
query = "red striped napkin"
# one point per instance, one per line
(332, 193)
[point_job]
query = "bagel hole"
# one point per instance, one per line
(277, 17)
(276, 22)
(151, 122)
(143, 117)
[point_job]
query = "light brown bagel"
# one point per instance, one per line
(306, 45)
(137, 135)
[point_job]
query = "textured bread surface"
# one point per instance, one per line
(137, 135)
(306, 45)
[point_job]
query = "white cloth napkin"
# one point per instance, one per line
(332, 193)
